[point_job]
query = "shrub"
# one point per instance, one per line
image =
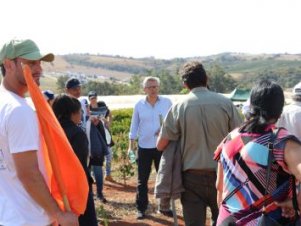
(120, 129)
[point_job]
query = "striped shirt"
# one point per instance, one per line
(244, 158)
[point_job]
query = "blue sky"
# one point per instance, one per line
(158, 28)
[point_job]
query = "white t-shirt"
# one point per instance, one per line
(291, 119)
(19, 132)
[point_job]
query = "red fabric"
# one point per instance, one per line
(231, 148)
(67, 179)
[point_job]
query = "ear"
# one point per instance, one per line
(9, 65)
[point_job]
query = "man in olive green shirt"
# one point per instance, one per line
(200, 122)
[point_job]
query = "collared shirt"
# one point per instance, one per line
(146, 120)
(200, 121)
(291, 119)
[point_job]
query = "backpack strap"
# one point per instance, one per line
(88, 130)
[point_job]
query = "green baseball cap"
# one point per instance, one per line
(26, 49)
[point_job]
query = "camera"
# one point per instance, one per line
(99, 112)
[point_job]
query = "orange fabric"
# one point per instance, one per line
(67, 180)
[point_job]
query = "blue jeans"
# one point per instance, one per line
(146, 156)
(98, 175)
(108, 158)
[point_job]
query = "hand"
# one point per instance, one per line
(67, 219)
(105, 121)
(287, 208)
(94, 120)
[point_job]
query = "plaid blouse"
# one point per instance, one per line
(244, 158)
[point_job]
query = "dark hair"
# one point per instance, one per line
(92, 94)
(194, 75)
(296, 98)
(72, 83)
(2, 70)
(266, 104)
(64, 106)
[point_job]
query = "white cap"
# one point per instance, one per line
(297, 89)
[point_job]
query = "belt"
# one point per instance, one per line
(201, 171)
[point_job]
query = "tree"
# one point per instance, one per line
(135, 84)
(219, 81)
(61, 83)
(169, 84)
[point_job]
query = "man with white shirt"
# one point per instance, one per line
(291, 115)
(25, 199)
(145, 125)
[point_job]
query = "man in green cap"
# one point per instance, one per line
(24, 196)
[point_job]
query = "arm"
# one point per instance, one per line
(28, 173)
(219, 184)
(79, 143)
(292, 157)
(26, 163)
(133, 129)
(131, 145)
(162, 143)
(169, 129)
(109, 120)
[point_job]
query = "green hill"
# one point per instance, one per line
(244, 68)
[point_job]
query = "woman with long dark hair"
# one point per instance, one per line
(245, 189)
(68, 112)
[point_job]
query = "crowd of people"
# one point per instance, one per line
(245, 169)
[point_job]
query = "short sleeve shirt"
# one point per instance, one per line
(200, 122)
(291, 119)
(19, 132)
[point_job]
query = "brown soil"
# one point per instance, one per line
(120, 209)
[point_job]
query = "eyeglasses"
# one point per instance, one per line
(152, 87)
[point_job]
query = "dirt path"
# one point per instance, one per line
(120, 209)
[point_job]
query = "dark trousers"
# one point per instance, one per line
(200, 192)
(89, 216)
(146, 156)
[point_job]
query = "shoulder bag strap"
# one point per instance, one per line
(295, 201)
(270, 158)
(88, 130)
